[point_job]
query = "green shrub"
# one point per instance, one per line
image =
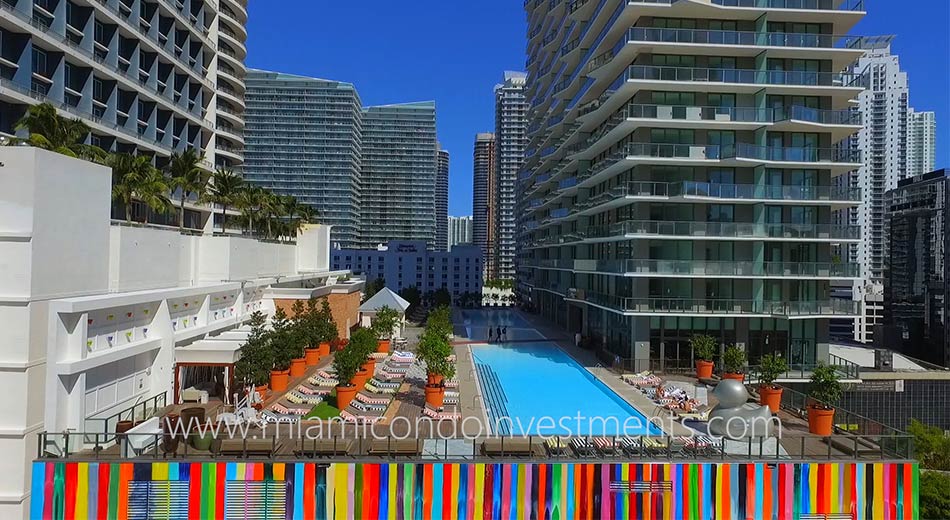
(733, 359)
(704, 347)
(825, 387)
(771, 366)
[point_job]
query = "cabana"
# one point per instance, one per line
(205, 369)
(384, 298)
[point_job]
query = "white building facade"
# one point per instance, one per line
(93, 311)
(921, 142)
(460, 231)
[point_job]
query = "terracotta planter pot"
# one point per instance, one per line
(434, 379)
(382, 345)
(770, 396)
(278, 380)
(435, 395)
(704, 369)
(298, 367)
(344, 394)
(170, 432)
(324, 349)
(370, 367)
(262, 390)
(821, 421)
(737, 376)
(123, 426)
(312, 356)
(360, 379)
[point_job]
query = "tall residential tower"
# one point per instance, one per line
(150, 77)
(511, 110)
(399, 174)
(483, 198)
(921, 142)
(304, 137)
(442, 201)
(679, 175)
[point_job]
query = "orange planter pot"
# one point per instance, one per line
(704, 369)
(345, 394)
(435, 395)
(324, 349)
(370, 367)
(770, 396)
(278, 380)
(360, 379)
(262, 390)
(434, 379)
(312, 356)
(736, 376)
(821, 421)
(298, 367)
(382, 345)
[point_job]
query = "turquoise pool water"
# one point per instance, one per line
(535, 388)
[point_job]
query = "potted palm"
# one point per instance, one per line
(327, 329)
(771, 366)
(434, 349)
(704, 348)
(253, 368)
(282, 352)
(362, 344)
(385, 321)
(435, 392)
(733, 363)
(346, 362)
(825, 390)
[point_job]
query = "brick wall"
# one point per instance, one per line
(343, 307)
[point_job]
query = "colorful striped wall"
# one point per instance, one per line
(292, 491)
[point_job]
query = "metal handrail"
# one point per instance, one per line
(892, 445)
(130, 414)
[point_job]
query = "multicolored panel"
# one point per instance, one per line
(307, 491)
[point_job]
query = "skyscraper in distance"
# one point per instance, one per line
(304, 138)
(400, 168)
(511, 122)
(892, 142)
(442, 201)
(483, 198)
(921, 142)
(460, 231)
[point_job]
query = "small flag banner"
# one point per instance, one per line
(307, 491)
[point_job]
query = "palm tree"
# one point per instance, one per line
(249, 202)
(50, 131)
(308, 214)
(271, 207)
(290, 206)
(185, 175)
(134, 177)
(224, 190)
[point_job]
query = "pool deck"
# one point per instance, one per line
(472, 406)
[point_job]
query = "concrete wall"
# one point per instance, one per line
(344, 307)
(239, 258)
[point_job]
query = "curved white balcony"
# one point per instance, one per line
(235, 154)
(231, 38)
(230, 94)
(234, 117)
(232, 59)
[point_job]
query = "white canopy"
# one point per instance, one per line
(210, 352)
(385, 298)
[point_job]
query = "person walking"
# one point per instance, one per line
(489, 334)
(504, 332)
(498, 333)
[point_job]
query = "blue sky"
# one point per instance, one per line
(455, 52)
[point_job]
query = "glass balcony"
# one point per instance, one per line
(742, 114)
(716, 306)
(805, 154)
(723, 230)
(738, 191)
(700, 268)
(763, 39)
(744, 76)
(817, 5)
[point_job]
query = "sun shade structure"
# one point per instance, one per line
(385, 298)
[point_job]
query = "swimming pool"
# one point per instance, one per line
(541, 390)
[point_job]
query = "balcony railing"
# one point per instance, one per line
(724, 191)
(688, 268)
(724, 230)
(765, 39)
(742, 114)
(817, 5)
(744, 76)
(744, 151)
(718, 306)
